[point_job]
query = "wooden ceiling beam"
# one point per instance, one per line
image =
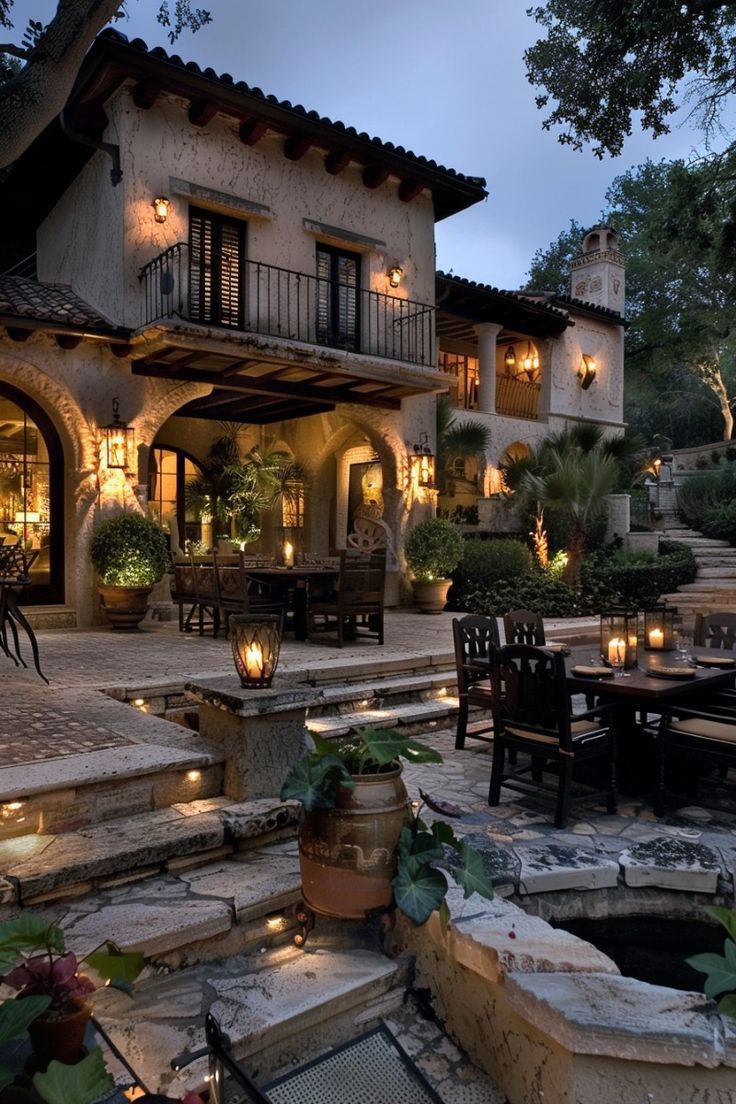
(374, 176)
(336, 161)
(145, 93)
(252, 130)
(201, 112)
(410, 189)
(295, 148)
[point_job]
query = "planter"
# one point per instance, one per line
(431, 597)
(125, 607)
(346, 854)
(59, 1039)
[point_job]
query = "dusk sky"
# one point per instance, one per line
(446, 80)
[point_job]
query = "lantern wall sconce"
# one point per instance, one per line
(118, 440)
(530, 363)
(509, 361)
(394, 275)
(256, 644)
(659, 629)
(619, 638)
(587, 371)
(423, 466)
(161, 206)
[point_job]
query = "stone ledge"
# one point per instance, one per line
(671, 864)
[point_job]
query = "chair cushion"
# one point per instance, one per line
(578, 728)
(706, 730)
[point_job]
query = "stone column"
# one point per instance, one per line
(487, 332)
(619, 508)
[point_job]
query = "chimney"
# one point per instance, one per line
(597, 275)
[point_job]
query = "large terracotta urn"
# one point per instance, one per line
(346, 854)
(124, 606)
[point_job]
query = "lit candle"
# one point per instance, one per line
(616, 650)
(656, 638)
(288, 554)
(254, 660)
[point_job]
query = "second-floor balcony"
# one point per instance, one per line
(252, 297)
(516, 396)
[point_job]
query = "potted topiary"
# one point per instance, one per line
(362, 846)
(433, 550)
(130, 554)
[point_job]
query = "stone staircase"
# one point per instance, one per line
(714, 587)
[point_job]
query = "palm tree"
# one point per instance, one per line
(575, 484)
(468, 439)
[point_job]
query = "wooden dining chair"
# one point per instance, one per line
(206, 598)
(474, 636)
(715, 630)
(532, 717)
(356, 607)
(183, 596)
(696, 737)
(524, 626)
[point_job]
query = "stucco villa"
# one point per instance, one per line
(183, 251)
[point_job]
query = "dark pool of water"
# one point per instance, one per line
(650, 948)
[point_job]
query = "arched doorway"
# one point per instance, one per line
(169, 471)
(32, 491)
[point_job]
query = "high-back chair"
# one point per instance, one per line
(701, 736)
(206, 597)
(183, 596)
(523, 626)
(533, 717)
(474, 637)
(356, 608)
(715, 630)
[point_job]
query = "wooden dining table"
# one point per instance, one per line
(299, 580)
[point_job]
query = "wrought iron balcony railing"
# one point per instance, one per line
(260, 298)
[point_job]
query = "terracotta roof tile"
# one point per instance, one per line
(54, 304)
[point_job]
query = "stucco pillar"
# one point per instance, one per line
(487, 332)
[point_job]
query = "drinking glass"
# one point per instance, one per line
(682, 644)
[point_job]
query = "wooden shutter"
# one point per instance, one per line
(337, 297)
(216, 264)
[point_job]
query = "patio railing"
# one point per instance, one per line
(279, 302)
(516, 398)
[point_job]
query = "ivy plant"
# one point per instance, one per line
(720, 970)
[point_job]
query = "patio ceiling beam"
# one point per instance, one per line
(277, 388)
(238, 409)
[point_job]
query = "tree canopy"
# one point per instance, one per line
(40, 68)
(604, 61)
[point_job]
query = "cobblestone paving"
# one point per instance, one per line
(32, 731)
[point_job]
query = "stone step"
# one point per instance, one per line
(708, 586)
(278, 1008)
(41, 868)
(724, 571)
(423, 714)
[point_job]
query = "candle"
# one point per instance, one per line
(616, 650)
(288, 554)
(254, 660)
(656, 638)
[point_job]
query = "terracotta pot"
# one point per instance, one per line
(60, 1039)
(125, 607)
(431, 597)
(346, 854)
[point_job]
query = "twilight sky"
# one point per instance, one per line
(444, 79)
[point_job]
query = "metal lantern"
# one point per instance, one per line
(619, 637)
(118, 440)
(423, 464)
(256, 643)
(659, 629)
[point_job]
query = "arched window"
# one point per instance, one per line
(169, 471)
(457, 467)
(32, 492)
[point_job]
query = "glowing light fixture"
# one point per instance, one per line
(509, 361)
(587, 371)
(256, 643)
(423, 464)
(118, 439)
(161, 206)
(394, 275)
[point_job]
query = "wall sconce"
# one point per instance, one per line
(394, 275)
(256, 644)
(423, 466)
(530, 363)
(161, 207)
(587, 371)
(509, 361)
(118, 440)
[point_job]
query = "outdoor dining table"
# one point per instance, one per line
(299, 579)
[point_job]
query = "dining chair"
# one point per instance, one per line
(697, 737)
(238, 592)
(532, 716)
(715, 630)
(524, 626)
(206, 598)
(474, 636)
(182, 594)
(356, 606)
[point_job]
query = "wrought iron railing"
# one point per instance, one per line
(278, 302)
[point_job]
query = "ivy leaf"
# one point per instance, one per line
(315, 781)
(82, 1083)
(727, 1005)
(384, 746)
(116, 967)
(471, 873)
(443, 833)
(721, 975)
(439, 805)
(25, 933)
(425, 847)
(724, 916)
(16, 1015)
(419, 889)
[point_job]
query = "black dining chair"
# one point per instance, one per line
(356, 607)
(474, 636)
(532, 717)
(715, 630)
(699, 738)
(522, 626)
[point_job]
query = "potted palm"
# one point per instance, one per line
(433, 550)
(130, 554)
(362, 846)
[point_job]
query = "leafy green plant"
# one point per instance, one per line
(35, 962)
(486, 562)
(433, 549)
(720, 970)
(719, 522)
(129, 550)
(704, 492)
(420, 886)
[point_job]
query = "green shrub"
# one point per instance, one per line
(486, 562)
(433, 549)
(550, 597)
(720, 522)
(702, 493)
(129, 550)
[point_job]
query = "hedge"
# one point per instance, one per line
(486, 563)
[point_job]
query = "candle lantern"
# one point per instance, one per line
(659, 629)
(256, 643)
(619, 637)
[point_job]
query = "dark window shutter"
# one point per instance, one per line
(216, 260)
